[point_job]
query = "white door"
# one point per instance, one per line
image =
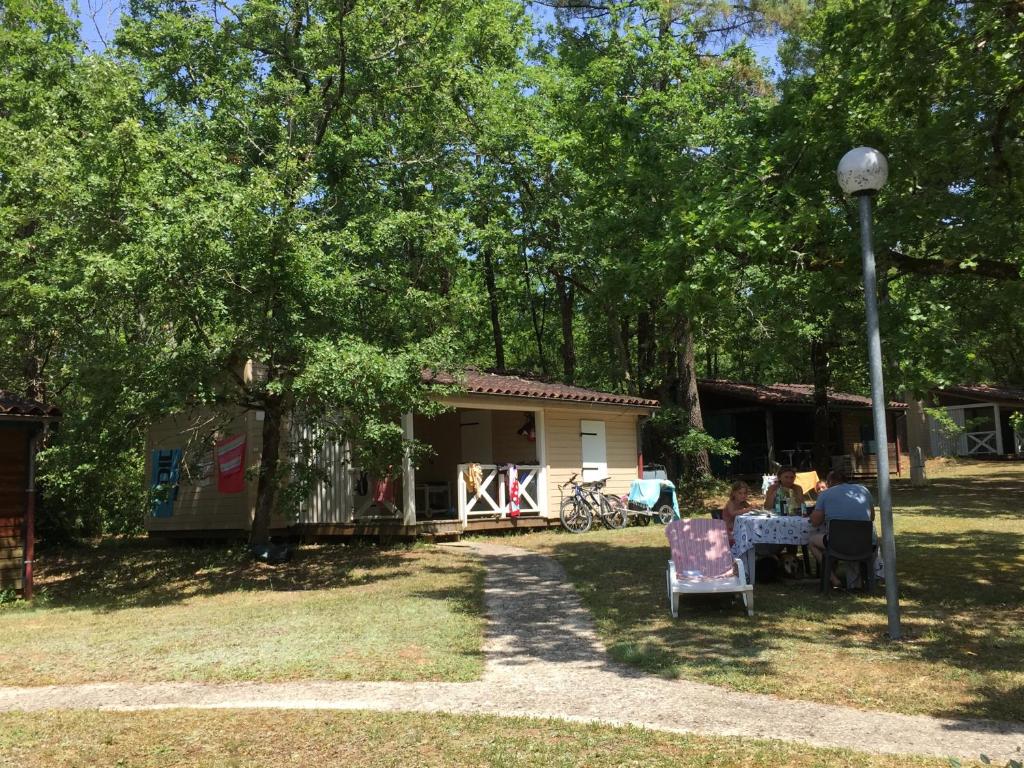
(594, 450)
(475, 437)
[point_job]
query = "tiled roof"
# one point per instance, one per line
(984, 392)
(504, 385)
(783, 394)
(12, 405)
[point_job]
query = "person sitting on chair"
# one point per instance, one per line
(736, 505)
(787, 487)
(841, 500)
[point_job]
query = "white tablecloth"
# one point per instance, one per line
(753, 528)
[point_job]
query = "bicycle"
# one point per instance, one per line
(578, 510)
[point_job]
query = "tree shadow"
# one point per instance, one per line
(961, 497)
(129, 573)
(961, 595)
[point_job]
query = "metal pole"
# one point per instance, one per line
(878, 414)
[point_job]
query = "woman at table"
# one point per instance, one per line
(785, 485)
(736, 505)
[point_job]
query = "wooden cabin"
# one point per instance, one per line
(21, 424)
(982, 414)
(498, 430)
(774, 425)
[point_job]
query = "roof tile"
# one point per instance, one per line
(12, 405)
(780, 394)
(484, 383)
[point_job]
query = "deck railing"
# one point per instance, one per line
(489, 500)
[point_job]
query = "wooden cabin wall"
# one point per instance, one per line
(565, 448)
(13, 487)
(199, 506)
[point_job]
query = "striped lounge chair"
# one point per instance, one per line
(702, 563)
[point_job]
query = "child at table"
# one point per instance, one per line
(736, 505)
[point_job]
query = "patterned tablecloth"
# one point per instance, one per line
(754, 528)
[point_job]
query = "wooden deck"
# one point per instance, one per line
(381, 529)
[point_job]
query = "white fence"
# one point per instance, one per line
(489, 500)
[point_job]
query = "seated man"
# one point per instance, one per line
(841, 500)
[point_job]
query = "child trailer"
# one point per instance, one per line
(653, 499)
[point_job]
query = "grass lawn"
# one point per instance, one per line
(224, 738)
(135, 611)
(960, 558)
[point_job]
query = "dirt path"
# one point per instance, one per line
(544, 660)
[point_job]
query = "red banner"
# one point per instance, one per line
(231, 464)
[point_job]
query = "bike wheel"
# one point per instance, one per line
(665, 514)
(575, 516)
(613, 512)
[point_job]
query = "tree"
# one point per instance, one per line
(304, 219)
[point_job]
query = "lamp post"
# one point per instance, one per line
(862, 172)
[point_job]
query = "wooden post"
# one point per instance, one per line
(999, 430)
(896, 433)
(542, 459)
(30, 518)
(769, 431)
(408, 475)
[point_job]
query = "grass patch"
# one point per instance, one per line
(134, 611)
(960, 557)
(302, 738)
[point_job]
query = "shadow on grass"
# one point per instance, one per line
(965, 590)
(962, 497)
(126, 573)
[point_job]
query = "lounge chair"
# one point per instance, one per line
(702, 563)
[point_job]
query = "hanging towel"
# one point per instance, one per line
(474, 475)
(164, 482)
(231, 464)
(513, 491)
(384, 491)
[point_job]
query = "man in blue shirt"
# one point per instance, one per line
(842, 500)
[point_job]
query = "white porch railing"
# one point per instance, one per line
(981, 442)
(490, 499)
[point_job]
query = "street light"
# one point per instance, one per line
(862, 172)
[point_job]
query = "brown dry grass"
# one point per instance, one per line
(136, 611)
(240, 739)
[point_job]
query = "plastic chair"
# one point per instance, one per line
(702, 563)
(849, 541)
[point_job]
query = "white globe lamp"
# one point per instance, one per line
(862, 171)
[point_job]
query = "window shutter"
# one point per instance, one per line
(593, 450)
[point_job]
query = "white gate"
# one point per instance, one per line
(489, 500)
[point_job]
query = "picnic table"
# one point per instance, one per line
(762, 527)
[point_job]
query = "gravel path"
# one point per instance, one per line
(544, 659)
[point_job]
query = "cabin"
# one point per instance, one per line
(500, 455)
(22, 423)
(983, 417)
(774, 425)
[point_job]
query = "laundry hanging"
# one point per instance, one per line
(231, 464)
(164, 482)
(474, 476)
(513, 491)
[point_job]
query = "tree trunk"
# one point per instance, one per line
(701, 463)
(619, 330)
(35, 381)
(269, 481)
(918, 439)
(566, 301)
(821, 452)
(646, 347)
(492, 300)
(531, 299)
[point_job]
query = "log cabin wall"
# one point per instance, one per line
(13, 497)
